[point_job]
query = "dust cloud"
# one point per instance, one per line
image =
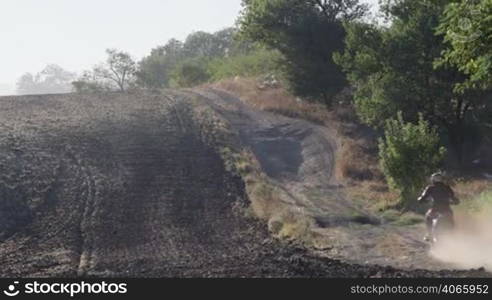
(470, 245)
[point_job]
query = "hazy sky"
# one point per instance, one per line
(75, 33)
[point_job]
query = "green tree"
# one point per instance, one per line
(409, 153)
(392, 69)
(306, 33)
(155, 70)
(467, 26)
(210, 45)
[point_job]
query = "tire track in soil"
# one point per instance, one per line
(86, 234)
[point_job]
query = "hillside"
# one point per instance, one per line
(138, 184)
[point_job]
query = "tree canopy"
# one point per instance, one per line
(306, 33)
(393, 68)
(467, 26)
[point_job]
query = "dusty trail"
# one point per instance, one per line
(123, 185)
(296, 155)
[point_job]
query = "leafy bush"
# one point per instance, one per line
(409, 153)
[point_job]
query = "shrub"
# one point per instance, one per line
(409, 153)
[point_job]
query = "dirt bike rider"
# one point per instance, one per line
(443, 197)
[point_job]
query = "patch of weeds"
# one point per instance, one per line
(363, 219)
(478, 204)
(390, 215)
(243, 166)
(292, 226)
(401, 219)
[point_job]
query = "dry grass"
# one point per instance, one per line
(355, 161)
(267, 202)
(277, 100)
(292, 226)
(264, 197)
(372, 194)
(469, 189)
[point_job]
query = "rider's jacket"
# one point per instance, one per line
(441, 194)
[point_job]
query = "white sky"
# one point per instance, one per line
(75, 33)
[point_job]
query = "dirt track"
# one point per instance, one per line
(123, 185)
(296, 155)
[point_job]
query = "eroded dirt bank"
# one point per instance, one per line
(123, 185)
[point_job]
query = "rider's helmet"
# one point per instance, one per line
(437, 177)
